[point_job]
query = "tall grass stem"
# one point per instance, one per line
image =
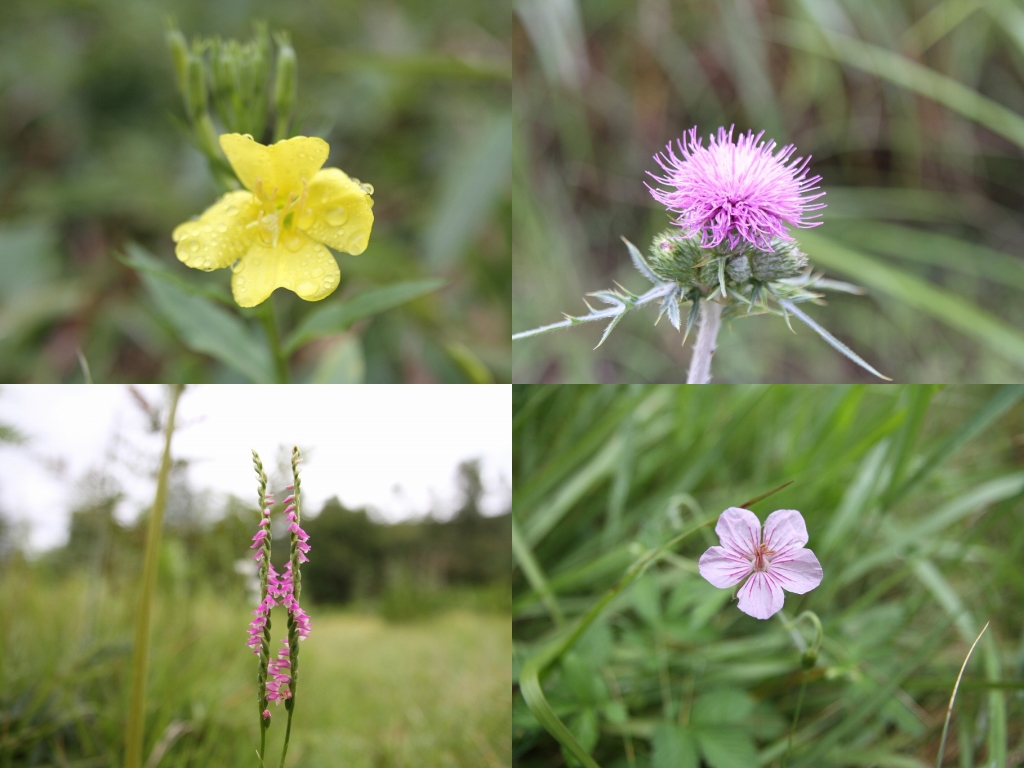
(137, 708)
(952, 698)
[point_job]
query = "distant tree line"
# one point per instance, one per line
(355, 558)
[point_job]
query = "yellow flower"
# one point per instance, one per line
(273, 233)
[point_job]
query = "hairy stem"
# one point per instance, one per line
(137, 708)
(703, 349)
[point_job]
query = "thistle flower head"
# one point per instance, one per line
(736, 192)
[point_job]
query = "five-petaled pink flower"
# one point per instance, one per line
(739, 192)
(775, 562)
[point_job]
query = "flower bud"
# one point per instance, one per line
(180, 56)
(196, 98)
(285, 85)
(787, 260)
(809, 658)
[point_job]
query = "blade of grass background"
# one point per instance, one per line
(934, 249)
(1000, 402)
(534, 574)
(949, 599)
(912, 291)
(903, 72)
(870, 702)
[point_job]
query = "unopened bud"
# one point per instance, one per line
(809, 659)
(197, 99)
(286, 78)
(179, 55)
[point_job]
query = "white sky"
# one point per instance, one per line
(393, 448)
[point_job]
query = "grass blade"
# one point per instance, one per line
(949, 308)
(949, 709)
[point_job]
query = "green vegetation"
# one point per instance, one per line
(912, 112)
(97, 168)
(429, 694)
(913, 498)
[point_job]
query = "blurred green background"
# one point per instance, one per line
(911, 110)
(913, 498)
(412, 97)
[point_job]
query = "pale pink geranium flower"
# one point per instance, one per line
(739, 192)
(774, 562)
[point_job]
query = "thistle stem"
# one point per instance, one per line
(137, 708)
(704, 347)
(269, 318)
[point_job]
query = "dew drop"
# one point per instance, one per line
(222, 228)
(318, 272)
(336, 216)
(367, 188)
(231, 210)
(193, 246)
(305, 287)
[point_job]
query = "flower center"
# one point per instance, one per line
(761, 560)
(278, 218)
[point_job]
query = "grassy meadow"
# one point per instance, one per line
(911, 111)
(371, 694)
(624, 657)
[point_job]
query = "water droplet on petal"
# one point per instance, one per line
(367, 188)
(336, 216)
(318, 272)
(305, 287)
(193, 246)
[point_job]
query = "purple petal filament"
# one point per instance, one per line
(736, 192)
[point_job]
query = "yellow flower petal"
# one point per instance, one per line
(342, 214)
(221, 234)
(281, 166)
(310, 271)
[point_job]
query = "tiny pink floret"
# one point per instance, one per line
(740, 192)
(774, 561)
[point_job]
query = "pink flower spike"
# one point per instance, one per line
(266, 714)
(774, 562)
(736, 191)
(289, 499)
(289, 487)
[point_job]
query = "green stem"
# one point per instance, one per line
(287, 735)
(137, 708)
(796, 717)
(263, 741)
(269, 319)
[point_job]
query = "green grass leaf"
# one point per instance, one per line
(335, 317)
(905, 73)
(949, 308)
(204, 327)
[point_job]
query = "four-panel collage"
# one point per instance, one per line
(257, 257)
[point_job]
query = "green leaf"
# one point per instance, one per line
(674, 747)
(949, 308)
(336, 317)
(724, 707)
(726, 746)
(207, 328)
(471, 365)
(139, 259)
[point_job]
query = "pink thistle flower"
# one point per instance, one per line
(775, 562)
(736, 191)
